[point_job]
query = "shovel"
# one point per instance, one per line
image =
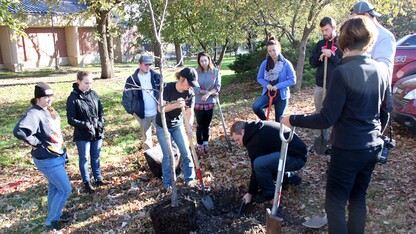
(271, 97)
(206, 199)
(274, 223)
(227, 138)
(316, 221)
(241, 210)
(321, 144)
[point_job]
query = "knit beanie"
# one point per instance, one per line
(42, 89)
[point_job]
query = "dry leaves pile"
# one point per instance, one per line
(123, 206)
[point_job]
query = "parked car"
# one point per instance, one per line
(408, 40)
(404, 102)
(405, 58)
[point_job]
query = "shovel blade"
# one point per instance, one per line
(316, 221)
(207, 202)
(320, 145)
(241, 210)
(273, 223)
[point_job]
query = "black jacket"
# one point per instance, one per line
(333, 61)
(85, 112)
(353, 104)
(133, 98)
(262, 138)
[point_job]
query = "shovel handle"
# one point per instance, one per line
(281, 167)
(196, 161)
(282, 136)
(227, 138)
(271, 97)
(325, 76)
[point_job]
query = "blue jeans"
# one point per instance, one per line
(179, 137)
(349, 174)
(266, 167)
(263, 102)
(92, 148)
(59, 187)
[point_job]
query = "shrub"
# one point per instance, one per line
(248, 62)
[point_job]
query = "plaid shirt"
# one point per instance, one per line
(204, 106)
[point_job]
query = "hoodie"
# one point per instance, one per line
(263, 138)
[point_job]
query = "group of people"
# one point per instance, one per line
(356, 106)
(194, 90)
(40, 125)
(358, 66)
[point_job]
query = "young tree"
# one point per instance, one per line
(157, 29)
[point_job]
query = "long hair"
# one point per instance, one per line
(271, 42)
(210, 64)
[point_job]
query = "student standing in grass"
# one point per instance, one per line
(140, 97)
(85, 113)
(209, 79)
(40, 127)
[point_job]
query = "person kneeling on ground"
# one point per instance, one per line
(263, 143)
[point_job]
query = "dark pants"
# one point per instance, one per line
(203, 121)
(266, 169)
(263, 102)
(348, 178)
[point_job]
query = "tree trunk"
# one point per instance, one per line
(249, 37)
(110, 46)
(214, 59)
(157, 51)
(178, 53)
(106, 65)
(301, 48)
(204, 47)
(224, 48)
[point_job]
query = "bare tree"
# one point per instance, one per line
(157, 32)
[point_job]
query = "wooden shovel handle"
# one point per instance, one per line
(187, 127)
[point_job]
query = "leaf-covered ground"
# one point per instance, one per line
(123, 206)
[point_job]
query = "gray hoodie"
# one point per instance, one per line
(207, 81)
(40, 130)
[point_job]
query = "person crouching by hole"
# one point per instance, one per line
(85, 113)
(263, 143)
(40, 127)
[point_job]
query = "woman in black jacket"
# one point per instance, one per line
(85, 113)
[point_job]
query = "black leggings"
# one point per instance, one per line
(203, 120)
